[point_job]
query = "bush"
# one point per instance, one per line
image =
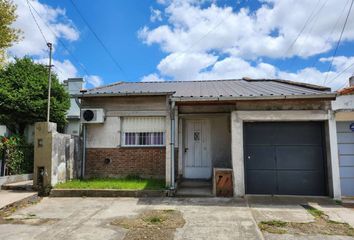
(18, 155)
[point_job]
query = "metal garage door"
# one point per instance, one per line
(346, 157)
(284, 158)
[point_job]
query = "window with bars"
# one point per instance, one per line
(143, 131)
(144, 139)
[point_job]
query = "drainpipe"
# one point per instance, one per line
(172, 143)
(83, 163)
(83, 126)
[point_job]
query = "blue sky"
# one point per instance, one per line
(161, 40)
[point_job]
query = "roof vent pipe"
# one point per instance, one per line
(351, 81)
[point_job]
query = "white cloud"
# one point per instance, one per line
(236, 68)
(94, 80)
(156, 15)
(269, 31)
(152, 78)
(183, 66)
(64, 69)
(32, 42)
(206, 41)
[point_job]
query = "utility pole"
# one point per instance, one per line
(49, 80)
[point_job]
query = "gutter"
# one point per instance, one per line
(241, 98)
(119, 94)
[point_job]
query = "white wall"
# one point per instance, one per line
(4, 131)
(343, 102)
(104, 135)
(73, 127)
(74, 110)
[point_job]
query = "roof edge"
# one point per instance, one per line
(122, 94)
(329, 96)
(294, 83)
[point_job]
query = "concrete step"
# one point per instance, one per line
(194, 192)
(194, 183)
(19, 186)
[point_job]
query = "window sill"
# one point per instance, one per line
(150, 146)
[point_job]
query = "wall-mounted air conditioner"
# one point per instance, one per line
(92, 115)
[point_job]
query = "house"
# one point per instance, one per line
(73, 86)
(343, 107)
(277, 136)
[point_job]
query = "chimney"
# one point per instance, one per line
(351, 81)
(74, 85)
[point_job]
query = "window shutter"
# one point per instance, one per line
(143, 124)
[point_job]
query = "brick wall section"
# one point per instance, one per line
(145, 162)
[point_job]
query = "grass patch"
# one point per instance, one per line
(313, 211)
(274, 226)
(151, 224)
(114, 183)
(321, 225)
(154, 219)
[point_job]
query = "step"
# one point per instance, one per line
(18, 186)
(194, 192)
(195, 183)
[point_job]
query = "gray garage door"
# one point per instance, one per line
(346, 157)
(284, 158)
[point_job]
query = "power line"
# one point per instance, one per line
(332, 31)
(35, 20)
(60, 41)
(309, 19)
(312, 22)
(338, 42)
(343, 71)
(98, 38)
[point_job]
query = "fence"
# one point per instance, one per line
(16, 160)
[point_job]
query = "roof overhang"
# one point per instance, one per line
(326, 96)
(122, 94)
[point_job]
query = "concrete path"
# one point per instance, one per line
(8, 197)
(23, 185)
(206, 218)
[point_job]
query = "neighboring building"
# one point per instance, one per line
(73, 86)
(343, 107)
(279, 137)
(4, 131)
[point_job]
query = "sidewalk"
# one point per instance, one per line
(8, 197)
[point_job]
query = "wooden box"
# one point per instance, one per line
(223, 182)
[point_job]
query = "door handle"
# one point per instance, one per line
(185, 150)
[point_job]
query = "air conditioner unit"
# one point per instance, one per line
(92, 115)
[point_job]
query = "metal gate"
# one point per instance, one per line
(285, 158)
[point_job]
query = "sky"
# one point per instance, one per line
(163, 40)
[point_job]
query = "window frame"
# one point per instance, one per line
(136, 139)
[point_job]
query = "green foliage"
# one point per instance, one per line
(8, 34)
(114, 183)
(17, 154)
(23, 95)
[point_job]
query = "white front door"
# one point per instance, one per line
(197, 159)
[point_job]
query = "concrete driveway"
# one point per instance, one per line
(206, 218)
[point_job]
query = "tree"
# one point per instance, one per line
(23, 95)
(8, 34)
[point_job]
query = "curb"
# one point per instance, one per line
(107, 193)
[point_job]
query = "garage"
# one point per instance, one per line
(285, 158)
(346, 157)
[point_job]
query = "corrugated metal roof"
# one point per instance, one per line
(212, 89)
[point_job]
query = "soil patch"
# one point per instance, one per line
(321, 225)
(152, 224)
